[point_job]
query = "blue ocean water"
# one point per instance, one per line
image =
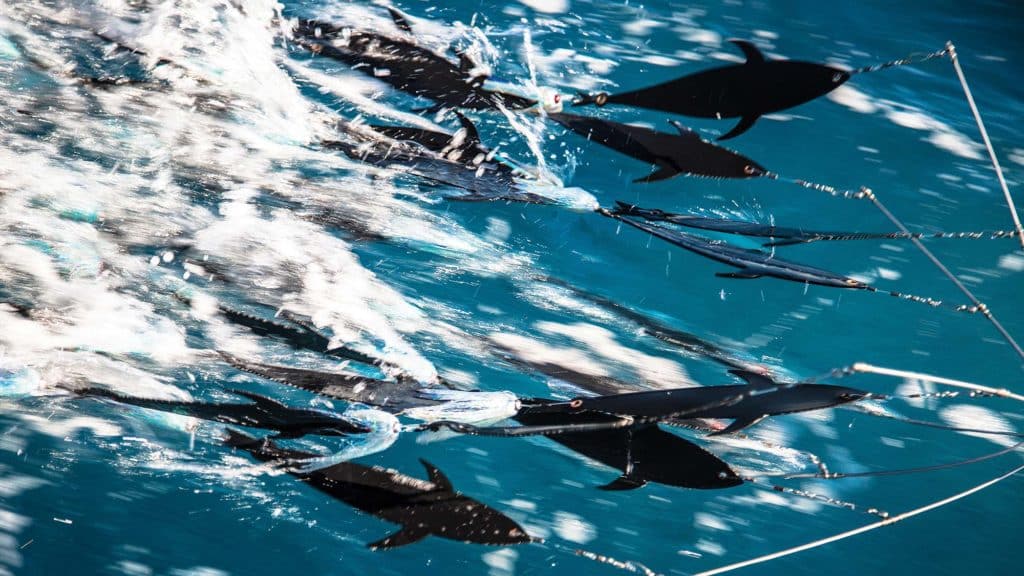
(113, 200)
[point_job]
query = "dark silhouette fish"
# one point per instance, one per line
(643, 453)
(787, 236)
(262, 412)
(746, 91)
(745, 405)
(751, 263)
(463, 147)
(673, 154)
(393, 396)
(458, 161)
(422, 507)
(297, 333)
(405, 65)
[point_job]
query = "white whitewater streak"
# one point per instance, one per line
(537, 351)
(360, 91)
(600, 341)
(142, 189)
(972, 416)
(940, 134)
(548, 6)
(285, 259)
(167, 135)
(530, 133)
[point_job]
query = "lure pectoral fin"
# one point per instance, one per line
(407, 535)
(739, 424)
(665, 172)
(745, 123)
(741, 275)
(754, 379)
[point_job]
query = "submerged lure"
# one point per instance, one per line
(758, 263)
(751, 263)
(785, 236)
(643, 453)
(746, 91)
(673, 154)
(406, 65)
(297, 333)
(422, 507)
(457, 160)
(261, 412)
(760, 398)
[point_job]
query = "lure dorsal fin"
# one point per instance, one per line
(465, 62)
(754, 379)
(472, 135)
(683, 130)
(400, 20)
(407, 535)
(437, 478)
(753, 53)
(259, 399)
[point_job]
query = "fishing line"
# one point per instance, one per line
(856, 531)
(978, 305)
(988, 143)
(901, 471)
(627, 565)
(864, 192)
(982, 235)
(936, 425)
(863, 367)
(755, 481)
(909, 60)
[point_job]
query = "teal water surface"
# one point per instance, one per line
(222, 172)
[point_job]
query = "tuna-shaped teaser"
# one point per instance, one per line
(422, 507)
(401, 62)
(673, 154)
(746, 91)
